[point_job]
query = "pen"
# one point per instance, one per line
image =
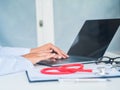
(84, 80)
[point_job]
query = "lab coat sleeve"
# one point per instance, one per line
(13, 64)
(13, 51)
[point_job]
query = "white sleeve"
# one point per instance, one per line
(13, 64)
(13, 51)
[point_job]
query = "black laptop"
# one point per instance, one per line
(91, 42)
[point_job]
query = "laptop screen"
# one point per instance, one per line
(94, 38)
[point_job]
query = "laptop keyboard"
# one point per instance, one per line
(71, 59)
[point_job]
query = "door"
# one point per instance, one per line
(45, 25)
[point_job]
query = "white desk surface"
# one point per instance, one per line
(19, 81)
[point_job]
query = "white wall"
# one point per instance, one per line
(18, 23)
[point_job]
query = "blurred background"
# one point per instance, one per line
(18, 21)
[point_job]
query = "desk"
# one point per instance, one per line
(19, 81)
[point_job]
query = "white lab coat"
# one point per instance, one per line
(11, 60)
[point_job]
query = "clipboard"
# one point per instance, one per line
(34, 75)
(39, 80)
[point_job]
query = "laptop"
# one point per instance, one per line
(90, 43)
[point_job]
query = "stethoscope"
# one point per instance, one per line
(65, 69)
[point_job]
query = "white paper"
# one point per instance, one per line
(108, 71)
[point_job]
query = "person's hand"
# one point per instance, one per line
(53, 49)
(45, 52)
(37, 57)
